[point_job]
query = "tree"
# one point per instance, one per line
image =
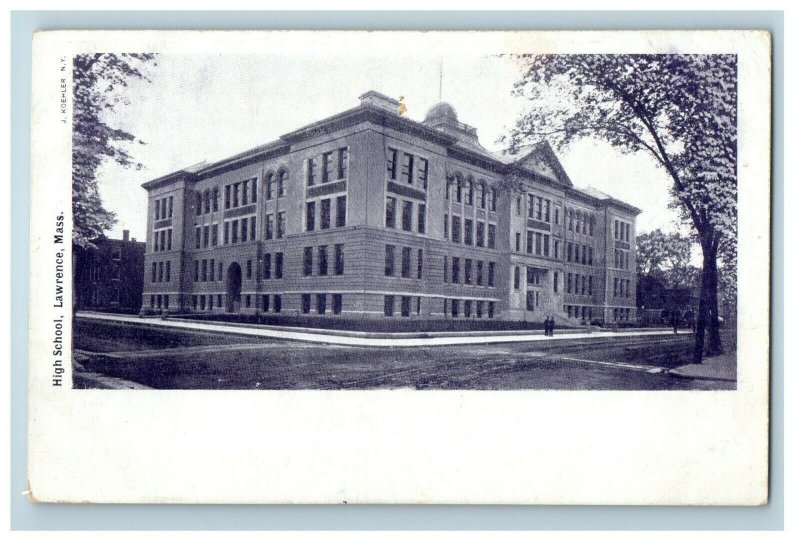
(678, 109)
(98, 81)
(666, 256)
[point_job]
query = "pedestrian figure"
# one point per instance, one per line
(675, 322)
(550, 324)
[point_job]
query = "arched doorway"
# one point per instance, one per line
(234, 288)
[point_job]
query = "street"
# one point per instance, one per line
(182, 359)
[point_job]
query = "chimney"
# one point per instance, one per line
(380, 100)
(125, 235)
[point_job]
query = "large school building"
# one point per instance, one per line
(371, 214)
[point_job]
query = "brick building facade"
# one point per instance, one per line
(370, 214)
(108, 274)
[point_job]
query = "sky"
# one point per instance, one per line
(208, 107)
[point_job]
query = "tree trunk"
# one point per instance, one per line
(708, 311)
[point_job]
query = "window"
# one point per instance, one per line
(467, 308)
(421, 218)
(389, 261)
(546, 245)
(491, 309)
(456, 270)
(265, 303)
(589, 255)
(481, 194)
(456, 229)
(252, 228)
(196, 270)
(311, 171)
(207, 201)
(338, 251)
(337, 303)
(446, 226)
(270, 185)
(204, 273)
(327, 166)
(590, 285)
(454, 308)
(470, 192)
(283, 176)
(408, 209)
(235, 195)
(459, 189)
(244, 192)
(279, 265)
(555, 282)
(308, 260)
(311, 213)
(214, 235)
(305, 303)
(244, 230)
(467, 271)
(344, 158)
(154, 272)
(341, 210)
(269, 230)
(491, 274)
(249, 269)
(321, 303)
(516, 278)
(480, 234)
(214, 201)
(419, 264)
(169, 239)
(422, 173)
(557, 249)
(405, 306)
(228, 196)
(325, 214)
(529, 244)
(538, 250)
(388, 305)
(446, 270)
(491, 235)
(322, 263)
(391, 163)
(276, 303)
(281, 225)
(168, 269)
(198, 203)
(267, 266)
(569, 282)
(546, 210)
(235, 231)
(493, 200)
(479, 309)
(531, 204)
(557, 216)
(220, 272)
(479, 272)
(530, 301)
(407, 172)
(468, 231)
(405, 266)
(391, 208)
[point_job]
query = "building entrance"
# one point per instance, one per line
(234, 288)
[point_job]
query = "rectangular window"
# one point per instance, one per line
(467, 271)
(245, 184)
(546, 245)
(454, 308)
(265, 303)
(516, 277)
(480, 233)
(530, 301)
(468, 231)
(338, 250)
(555, 282)
(590, 285)
(327, 166)
(311, 212)
(169, 239)
(267, 266)
(321, 303)
(456, 270)
(421, 218)
(196, 270)
(491, 242)
(408, 168)
(154, 273)
(252, 228)
(204, 273)
(322, 260)
(281, 231)
(308, 260)
(547, 210)
(244, 229)
(419, 264)
(479, 309)
(276, 303)
(389, 261)
(228, 196)
(311, 171)
(405, 306)
(211, 269)
(589, 255)
(408, 210)
(569, 251)
(235, 231)
(388, 305)
(197, 237)
(391, 163)
(282, 176)
(249, 266)
(168, 271)
(538, 244)
(422, 173)
(557, 215)
(391, 208)
(446, 270)
(456, 229)
(219, 268)
(337, 303)
(214, 239)
(279, 265)
(529, 243)
(405, 263)
(344, 158)
(269, 229)
(341, 210)
(569, 282)
(531, 204)
(446, 226)
(305, 303)
(491, 309)
(198, 203)
(325, 214)
(491, 273)
(493, 200)
(467, 308)
(557, 249)
(235, 195)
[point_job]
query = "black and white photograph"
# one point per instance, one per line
(534, 237)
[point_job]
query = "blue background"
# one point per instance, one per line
(27, 516)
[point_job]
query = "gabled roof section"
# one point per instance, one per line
(541, 160)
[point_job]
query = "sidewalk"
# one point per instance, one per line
(719, 368)
(365, 339)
